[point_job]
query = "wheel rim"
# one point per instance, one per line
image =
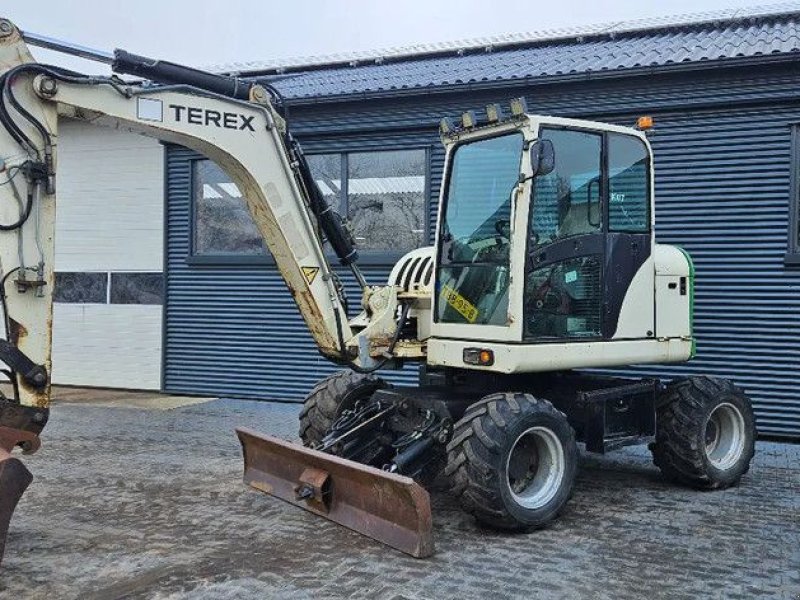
(535, 467)
(725, 436)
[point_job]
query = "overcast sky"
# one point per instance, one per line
(213, 32)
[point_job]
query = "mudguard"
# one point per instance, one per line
(390, 508)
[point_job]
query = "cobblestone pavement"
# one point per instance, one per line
(133, 503)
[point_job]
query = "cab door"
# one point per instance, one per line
(588, 236)
(564, 268)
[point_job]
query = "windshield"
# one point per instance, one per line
(475, 236)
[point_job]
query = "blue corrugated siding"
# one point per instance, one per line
(722, 193)
(234, 330)
(722, 144)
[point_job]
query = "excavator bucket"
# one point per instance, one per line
(390, 508)
(14, 480)
(14, 476)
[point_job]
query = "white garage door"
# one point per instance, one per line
(109, 257)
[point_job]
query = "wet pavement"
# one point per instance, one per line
(146, 503)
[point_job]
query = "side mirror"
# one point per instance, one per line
(543, 157)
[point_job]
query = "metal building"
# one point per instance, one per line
(723, 88)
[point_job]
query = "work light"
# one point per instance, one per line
(518, 107)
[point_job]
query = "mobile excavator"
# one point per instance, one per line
(544, 269)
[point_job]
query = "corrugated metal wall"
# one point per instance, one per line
(722, 145)
(722, 193)
(233, 330)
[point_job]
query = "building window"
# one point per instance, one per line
(81, 288)
(109, 288)
(386, 199)
(222, 222)
(327, 170)
(793, 254)
(136, 288)
(383, 194)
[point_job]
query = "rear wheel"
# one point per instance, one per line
(705, 433)
(512, 461)
(331, 396)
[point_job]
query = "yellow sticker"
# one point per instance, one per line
(465, 308)
(310, 273)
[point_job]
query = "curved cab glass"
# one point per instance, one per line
(473, 272)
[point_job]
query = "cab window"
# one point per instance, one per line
(566, 201)
(628, 182)
(473, 276)
(563, 294)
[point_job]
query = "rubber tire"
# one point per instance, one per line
(332, 395)
(477, 457)
(682, 413)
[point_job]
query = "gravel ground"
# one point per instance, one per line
(146, 503)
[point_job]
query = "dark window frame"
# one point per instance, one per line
(792, 258)
(366, 257)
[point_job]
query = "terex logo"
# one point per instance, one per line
(203, 116)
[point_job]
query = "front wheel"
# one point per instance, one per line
(512, 461)
(329, 398)
(705, 433)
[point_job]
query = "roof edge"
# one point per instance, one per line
(479, 86)
(515, 41)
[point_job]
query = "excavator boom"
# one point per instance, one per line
(239, 125)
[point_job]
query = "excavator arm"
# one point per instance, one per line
(235, 123)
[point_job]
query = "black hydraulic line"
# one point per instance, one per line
(9, 124)
(22, 218)
(12, 378)
(7, 327)
(6, 323)
(21, 109)
(10, 177)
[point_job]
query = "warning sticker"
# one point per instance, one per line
(464, 307)
(310, 273)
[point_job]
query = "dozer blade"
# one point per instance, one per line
(390, 508)
(14, 480)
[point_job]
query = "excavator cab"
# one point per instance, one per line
(546, 236)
